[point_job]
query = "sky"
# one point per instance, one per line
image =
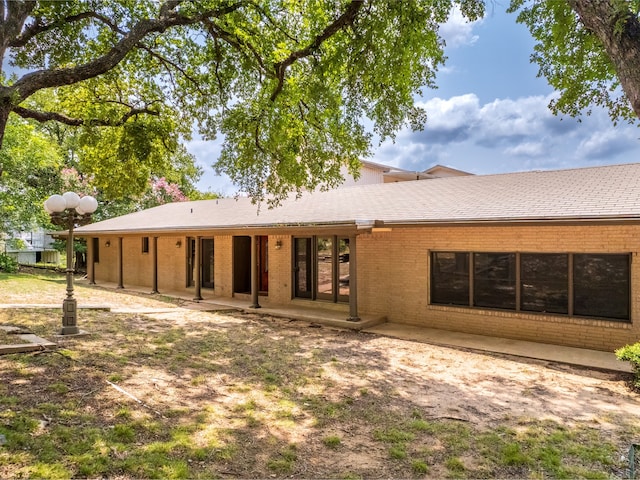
(488, 115)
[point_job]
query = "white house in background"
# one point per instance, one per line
(372, 173)
(29, 248)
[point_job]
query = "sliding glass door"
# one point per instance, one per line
(321, 268)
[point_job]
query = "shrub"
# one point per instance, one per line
(8, 264)
(631, 354)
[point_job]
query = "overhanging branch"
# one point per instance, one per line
(32, 82)
(77, 122)
(37, 28)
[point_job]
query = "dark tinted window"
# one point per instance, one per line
(601, 286)
(494, 280)
(544, 283)
(450, 278)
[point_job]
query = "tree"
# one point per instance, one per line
(289, 83)
(29, 166)
(589, 51)
(119, 159)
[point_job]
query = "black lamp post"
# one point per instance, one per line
(69, 210)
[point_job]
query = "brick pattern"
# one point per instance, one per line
(385, 288)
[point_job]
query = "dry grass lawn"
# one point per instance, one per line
(190, 394)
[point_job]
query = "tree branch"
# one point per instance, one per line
(32, 82)
(37, 28)
(166, 61)
(341, 22)
(619, 31)
(77, 122)
(14, 15)
(217, 32)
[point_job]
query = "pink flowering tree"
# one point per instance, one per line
(161, 191)
(73, 181)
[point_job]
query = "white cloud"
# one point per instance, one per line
(452, 113)
(608, 143)
(528, 149)
(457, 30)
(449, 120)
(505, 119)
(507, 135)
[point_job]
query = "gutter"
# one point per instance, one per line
(360, 225)
(365, 226)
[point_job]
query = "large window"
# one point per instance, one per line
(601, 285)
(544, 282)
(321, 268)
(494, 280)
(450, 278)
(588, 285)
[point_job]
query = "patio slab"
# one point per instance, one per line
(33, 343)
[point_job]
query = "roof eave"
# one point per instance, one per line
(355, 224)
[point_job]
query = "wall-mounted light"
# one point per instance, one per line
(178, 243)
(107, 243)
(278, 244)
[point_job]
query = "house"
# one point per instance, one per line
(30, 248)
(546, 256)
(372, 172)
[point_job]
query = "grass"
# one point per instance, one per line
(332, 441)
(9, 338)
(260, 398)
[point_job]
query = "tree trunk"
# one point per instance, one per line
(619, 32)
(5, 110)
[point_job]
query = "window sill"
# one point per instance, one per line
(536, 316)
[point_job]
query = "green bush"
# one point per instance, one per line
(8, 264)
(631, 354)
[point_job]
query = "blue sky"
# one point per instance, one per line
(488, 115)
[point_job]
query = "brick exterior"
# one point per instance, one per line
(393, 276)
(387, 288)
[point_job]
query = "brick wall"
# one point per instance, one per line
(172, 265)
(280, 269)
(386, 287)
(223, 265)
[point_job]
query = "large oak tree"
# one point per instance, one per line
(292, 84)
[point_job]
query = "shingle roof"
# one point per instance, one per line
(597, 193)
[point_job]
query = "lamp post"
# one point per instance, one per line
(69, 210)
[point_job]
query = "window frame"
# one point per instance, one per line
(565, 291)
(571, 285)
(145, 245)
